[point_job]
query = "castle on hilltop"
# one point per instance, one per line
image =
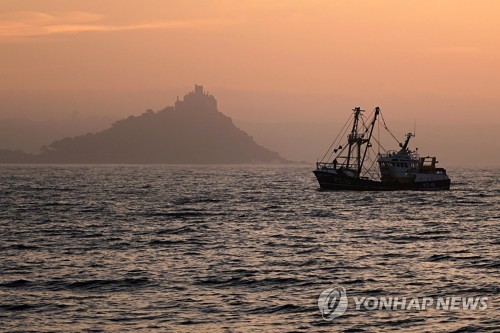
(196, 100)
(191, 132)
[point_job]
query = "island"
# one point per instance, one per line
(193, 131)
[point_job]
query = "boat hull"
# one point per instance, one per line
(343, 182)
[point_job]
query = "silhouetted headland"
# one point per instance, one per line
(191, 132)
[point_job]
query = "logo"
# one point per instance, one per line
(332, 303)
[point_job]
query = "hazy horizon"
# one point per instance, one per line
(288, 74)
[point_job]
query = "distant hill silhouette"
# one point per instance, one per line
(31, 135)
(192, 132)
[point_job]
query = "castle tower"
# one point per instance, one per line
(198, 89)
(196, 101)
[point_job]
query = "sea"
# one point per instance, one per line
(148, 248)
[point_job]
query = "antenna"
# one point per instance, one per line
(415, 133)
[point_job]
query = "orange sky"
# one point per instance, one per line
(269, 63)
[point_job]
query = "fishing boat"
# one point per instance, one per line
(355, 165)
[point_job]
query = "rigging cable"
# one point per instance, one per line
(378, 136)
(387, 129)
(334, 141)
(343, 148)
(363, 118)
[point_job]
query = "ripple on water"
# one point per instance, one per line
(236, 248)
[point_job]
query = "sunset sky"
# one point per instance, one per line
(288, 72)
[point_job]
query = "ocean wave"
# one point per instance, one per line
(109, 284)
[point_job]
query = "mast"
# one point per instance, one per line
(360, 165)
(353, 137)
(359, 157)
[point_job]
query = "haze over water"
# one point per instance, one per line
(237, 248)
(288, 72)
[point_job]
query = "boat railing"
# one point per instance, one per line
(389, 153)
(333, 166)
(326, 165)
(428, 162)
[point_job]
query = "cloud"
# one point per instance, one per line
(32, 24)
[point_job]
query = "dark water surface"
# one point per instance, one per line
(237, 248)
